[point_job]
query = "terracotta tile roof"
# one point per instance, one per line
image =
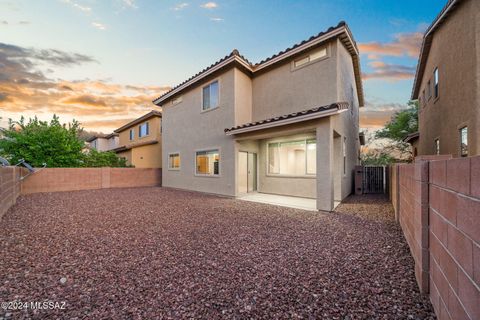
(412, 136)
(134, 145)
(337, 105)
(236, 57)
(427, 42)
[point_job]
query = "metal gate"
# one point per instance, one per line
(374, 179)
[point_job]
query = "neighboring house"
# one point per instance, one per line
(447, 82)
(104, 142)
(141, 141)
(287, 125)
(412, 139)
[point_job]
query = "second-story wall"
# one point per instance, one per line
(453, 51)
(155, 124)
(187, 129)
(285, 89)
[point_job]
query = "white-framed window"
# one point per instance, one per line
(174, 161)
(293, 158)
(207, 162)
(132, 134)
(143, 130)
(210, 96)
(437, 146)
(435, 83)
(464, 141)
(344, 155)
(314, 56)
(94, 144)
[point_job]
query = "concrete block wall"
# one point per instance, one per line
(439, 212)
(70, 179)
(413, 216)
(454, 235)
(9, 187)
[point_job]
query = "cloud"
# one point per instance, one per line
(180, 6)
(26, 90)
(99, 25)
(77, 6)
(209, 5)
(404, 44)
(392, 72)
(130, 3)
(376, 113)
(23, 22)
(217, 19)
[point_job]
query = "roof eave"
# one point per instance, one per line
(317, 115)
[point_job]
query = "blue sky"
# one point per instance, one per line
(132, 49)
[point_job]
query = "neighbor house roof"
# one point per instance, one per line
(294, 117)
(411, 137)
(134, 145)
(427, 43)
(236, 59)
(149, 115)
(97, 136)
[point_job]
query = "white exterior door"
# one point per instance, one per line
(247, 172)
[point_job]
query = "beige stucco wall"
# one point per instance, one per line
(281, 90)
(454, 51)
(186, 129)
(347, 123)
(149, 156)
(101, 144)
(146, 156)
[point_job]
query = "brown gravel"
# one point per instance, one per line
(156, 253)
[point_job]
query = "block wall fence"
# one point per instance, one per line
(437, 203)
(70, 179)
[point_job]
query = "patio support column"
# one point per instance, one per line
(324, 166)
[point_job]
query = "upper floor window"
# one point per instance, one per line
(210, 96)
(437, 146)
(435, 83)
(314, 56)
(143, 130)
(464, 142)
(423, 97)
(132, 134)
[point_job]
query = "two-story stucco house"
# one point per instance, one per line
(140, 141)
(288, 125)
(447, 82)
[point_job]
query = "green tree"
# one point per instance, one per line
(41, 142)
(401, 124)
(95, 158)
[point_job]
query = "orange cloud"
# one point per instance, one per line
(376, 114)
(392, 72)
(404, 44)
(99, 105)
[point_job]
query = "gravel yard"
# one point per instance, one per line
(150, 253)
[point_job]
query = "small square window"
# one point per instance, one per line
(174, 161)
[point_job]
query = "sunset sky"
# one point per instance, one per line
(102, 61)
